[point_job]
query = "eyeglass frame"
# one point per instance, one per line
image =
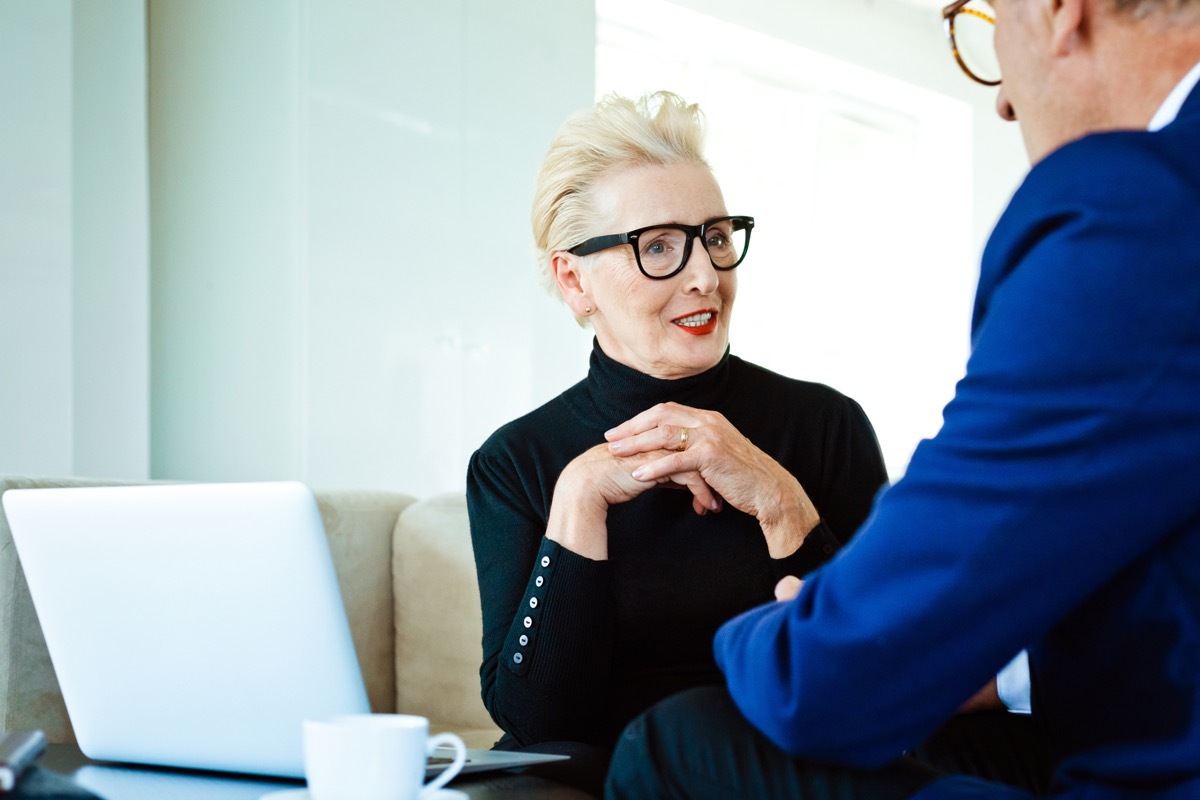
(598, 243)
(948, 15)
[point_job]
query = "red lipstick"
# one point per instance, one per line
(698, 323)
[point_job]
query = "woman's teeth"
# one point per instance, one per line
(695, 320)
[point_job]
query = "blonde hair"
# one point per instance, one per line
(657, 129)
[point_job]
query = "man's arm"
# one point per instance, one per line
(1014, 678)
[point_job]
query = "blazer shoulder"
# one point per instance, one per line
(1135, 180)
(1107, 201)
(1118, 170)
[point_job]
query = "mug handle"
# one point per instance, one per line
(446, 775)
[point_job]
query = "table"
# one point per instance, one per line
(127, 782)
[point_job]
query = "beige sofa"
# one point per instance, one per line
(408, 580)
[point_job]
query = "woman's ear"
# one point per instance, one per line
(568, 274)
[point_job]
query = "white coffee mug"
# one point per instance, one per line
(374, 757)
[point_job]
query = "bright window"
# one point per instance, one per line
(859, 271)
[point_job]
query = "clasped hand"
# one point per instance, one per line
(718, 464)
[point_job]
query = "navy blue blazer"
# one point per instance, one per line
(1057, 509)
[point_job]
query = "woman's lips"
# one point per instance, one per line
(699, 323)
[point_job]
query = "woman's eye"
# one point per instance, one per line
(656, 249)
(717, 240)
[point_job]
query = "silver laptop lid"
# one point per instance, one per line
(189, 625)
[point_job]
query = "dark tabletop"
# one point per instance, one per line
(123, 782)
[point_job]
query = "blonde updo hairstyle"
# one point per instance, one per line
(657, 129)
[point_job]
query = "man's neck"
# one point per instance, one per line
(1171, 107)
(1146, 60)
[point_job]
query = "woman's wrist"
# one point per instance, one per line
(787, 522)
(578, 522)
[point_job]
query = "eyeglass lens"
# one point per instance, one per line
(974, 35)
(661, 250)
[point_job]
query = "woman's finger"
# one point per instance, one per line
(704, 499)
(671, 467)
(662, 437)
(675, 463)
(631, 427)
(663, 413)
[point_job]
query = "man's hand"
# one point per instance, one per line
(788, 587)
(986, 699)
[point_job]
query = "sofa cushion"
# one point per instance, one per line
(439, 624)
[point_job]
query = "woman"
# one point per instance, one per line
(601, 593)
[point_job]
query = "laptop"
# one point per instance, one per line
(194, 625)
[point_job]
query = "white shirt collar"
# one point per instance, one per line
(1170, 108)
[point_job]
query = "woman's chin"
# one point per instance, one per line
(702, 354)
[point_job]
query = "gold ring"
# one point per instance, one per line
(683, 439)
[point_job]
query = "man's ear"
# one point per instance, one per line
(568, 274)
(1067, 23)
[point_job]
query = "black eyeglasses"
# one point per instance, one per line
(663, 250)
(970, 27)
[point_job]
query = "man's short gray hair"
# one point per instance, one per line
(1143, 8)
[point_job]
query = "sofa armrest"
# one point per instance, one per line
(359, 526)
(29, 693)
(439, 624)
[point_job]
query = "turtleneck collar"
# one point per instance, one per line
(620, 392)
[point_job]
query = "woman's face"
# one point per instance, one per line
(668, 328)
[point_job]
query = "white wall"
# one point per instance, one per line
(35, 236)
(338, 218)
(343, 286)
(73, 263)
(226, 243)
(110, 269)
(906, 42)
(864, 259)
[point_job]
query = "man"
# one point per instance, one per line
(1058, 508)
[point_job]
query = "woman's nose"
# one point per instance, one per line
(699, 272)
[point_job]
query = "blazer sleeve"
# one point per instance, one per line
(1067, 453)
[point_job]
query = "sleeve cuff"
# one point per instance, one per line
(819, 546)
(563, 625)
(1013, 686)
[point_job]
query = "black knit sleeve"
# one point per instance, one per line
(851, 474)
(853, 470)
(820, 544)
(547, 614)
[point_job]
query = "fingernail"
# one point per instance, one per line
(715, 505)
(615, 446)
(638, 473)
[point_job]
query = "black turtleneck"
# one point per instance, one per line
(573, 648)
